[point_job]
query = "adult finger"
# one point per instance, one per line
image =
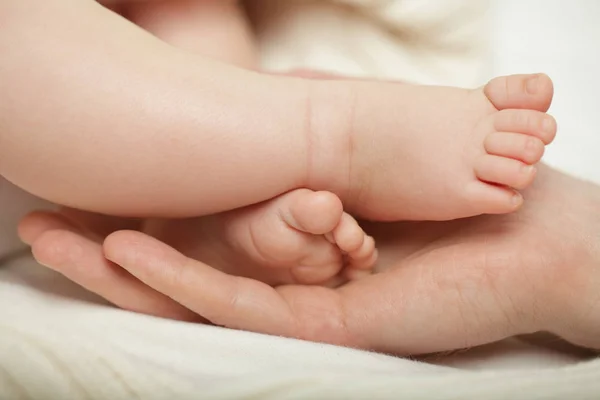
(60, 245)
(99, 224)
(445, 297)
(304, 312)
(425, 304)
(93, 226)
(36, 223)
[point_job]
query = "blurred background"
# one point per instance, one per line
(452, 42)
(561, 38)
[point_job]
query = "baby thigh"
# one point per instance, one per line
(214, 28)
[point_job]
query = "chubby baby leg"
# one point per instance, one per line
(304, 232)
(217, 29)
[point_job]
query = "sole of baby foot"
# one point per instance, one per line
(305, 231)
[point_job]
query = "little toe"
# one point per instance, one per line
(491, 199)
(365, 257)
(361, 268)
(355, 243)
(529, 122)
(517, 146)
(348, 235)
(316, 213)
(364, 264)
(529, 91)
(504, 171)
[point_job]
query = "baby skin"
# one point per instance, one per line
(309, 236)
(387, 151)
(306, 234)
(299, 237)
(513, 140)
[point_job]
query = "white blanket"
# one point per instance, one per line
(59, 342)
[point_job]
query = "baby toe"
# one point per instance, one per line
(529, 122)
(355, 243)
(527, 149)
(348, 235)
(486, 198)
(312, 212)
(530, 91)
(504, 171)
(365, 252)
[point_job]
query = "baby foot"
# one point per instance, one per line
(442, 153)
(299, 237)
(303, 230)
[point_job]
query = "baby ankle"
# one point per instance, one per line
(329, 136)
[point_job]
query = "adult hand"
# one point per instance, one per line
(447, 285)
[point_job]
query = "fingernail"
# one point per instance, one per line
(532, 84)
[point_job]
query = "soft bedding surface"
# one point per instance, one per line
(58, 341)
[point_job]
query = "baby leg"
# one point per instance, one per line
(304, 232)
(215, 29)
(101, 124)
(212, 137)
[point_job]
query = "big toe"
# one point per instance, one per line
(316, 213)
(529, 91)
